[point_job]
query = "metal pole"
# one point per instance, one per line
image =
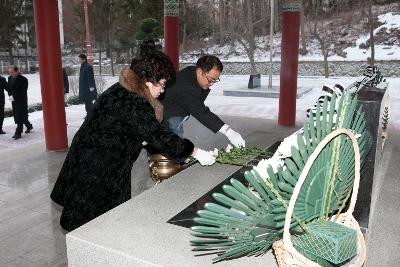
(88, 44)
(271, 43)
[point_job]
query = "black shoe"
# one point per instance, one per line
(16, 136)
(2, 132)
(28, 130)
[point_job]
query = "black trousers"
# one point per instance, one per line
(88, 106)
(20, 125)
(1, 114)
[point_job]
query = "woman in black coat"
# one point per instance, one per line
(96, 175)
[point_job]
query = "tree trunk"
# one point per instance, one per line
(252, 64)
(371, 33)
(326, 65)
(26, 50)
(324, 50)
(112, 62)
(100, 46)
(109, 35)
(250, 38)
(303, 49)
(10, 55)
(184, 31)
(221, 22)
(277, 26)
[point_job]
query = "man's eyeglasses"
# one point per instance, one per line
(211, 80)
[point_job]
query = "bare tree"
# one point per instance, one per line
(244, 24)
(184, 28)
(319, 15)
(303, 36)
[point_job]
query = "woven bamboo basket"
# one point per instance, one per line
(286, 254)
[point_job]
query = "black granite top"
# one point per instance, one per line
(185, 217)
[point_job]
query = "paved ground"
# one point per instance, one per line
(31, 236)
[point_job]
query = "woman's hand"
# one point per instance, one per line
(204, 157)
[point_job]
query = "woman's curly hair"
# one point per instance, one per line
(152, 66)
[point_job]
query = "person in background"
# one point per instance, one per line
(3, 87)
(96, 174)
(18, 95)
(87, 84)
(185, 96)
(66, 84)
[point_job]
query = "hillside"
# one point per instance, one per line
(348, 34)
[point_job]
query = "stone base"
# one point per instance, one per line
(254, 81)
(263, 91)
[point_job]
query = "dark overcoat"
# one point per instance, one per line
(86, 81)
(18, 88)
(3, 87)
(96, 174)
(65, 81)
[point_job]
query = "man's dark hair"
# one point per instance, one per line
(153, 66)
(208, 62)
(83, 56)
(15, 68)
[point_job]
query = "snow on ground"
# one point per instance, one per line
(383, 52)
(252, 107)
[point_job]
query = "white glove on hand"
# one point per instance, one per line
(205, 157)
(234, 137)
(11, 98)
(91, 89)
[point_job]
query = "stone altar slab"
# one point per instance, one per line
(137, 233)
(263, 91)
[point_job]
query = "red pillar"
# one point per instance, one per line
(171, 31)
(48, 44)
(289, 62)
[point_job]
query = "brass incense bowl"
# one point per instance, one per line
(162, 168)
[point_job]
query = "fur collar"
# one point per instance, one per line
(129, 80)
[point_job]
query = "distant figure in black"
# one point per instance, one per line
(96, 174)
(3, 87)
(66, 84)
(18, 91)
(87, 85)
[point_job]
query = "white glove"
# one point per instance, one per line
(205, 157)
(11, 98)
(234, 137)
(91, 89)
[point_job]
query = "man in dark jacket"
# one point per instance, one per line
(87, 85)
(3, 87)
(18, 91)
(185, 96)
(66, 84)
